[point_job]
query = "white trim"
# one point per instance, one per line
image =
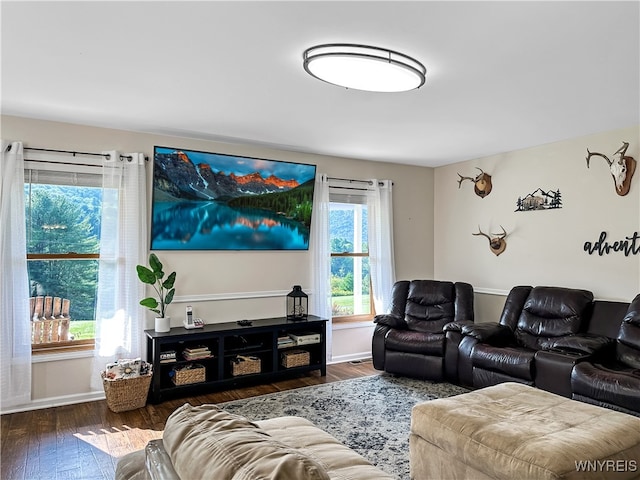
(215, 297)
(350, 358)
(55, 357)
(352, 325)
(491, 291)
(504, 293)
(621, 300)
(208, 297)
(56, 402)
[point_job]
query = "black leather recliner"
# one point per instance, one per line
(612, 378)
(533, 319)
(409, 340)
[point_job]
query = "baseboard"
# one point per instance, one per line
(350, 358)
(56, 402)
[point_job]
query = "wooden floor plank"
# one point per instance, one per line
(15, 450)
(85, 441)
(5, 420)
(42, 444)
(70, 448)
(91, 433)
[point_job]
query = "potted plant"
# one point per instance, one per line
(154, 276)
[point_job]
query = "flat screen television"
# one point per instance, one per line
(214, 201)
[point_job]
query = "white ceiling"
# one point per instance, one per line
(501, 76)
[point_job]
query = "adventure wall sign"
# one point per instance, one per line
(630, 245)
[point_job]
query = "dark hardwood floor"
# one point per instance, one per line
(84, 441)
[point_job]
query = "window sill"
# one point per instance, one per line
(56, 357)
(341, 324)
(62, 351)
(352, 319)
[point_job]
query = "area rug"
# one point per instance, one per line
(371, 415)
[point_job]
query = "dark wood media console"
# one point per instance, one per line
(219, 345)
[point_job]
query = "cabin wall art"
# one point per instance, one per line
(539, 199)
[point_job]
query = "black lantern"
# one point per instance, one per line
(297, 304)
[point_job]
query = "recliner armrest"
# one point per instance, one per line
(493, 333)
(158, 462)
(389, 320)
(586, 343)
(456, 326)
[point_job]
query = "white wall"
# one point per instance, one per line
(210, 280)
(543, 247)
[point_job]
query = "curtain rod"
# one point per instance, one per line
(122, 157)
(350, 188)
(353, 180)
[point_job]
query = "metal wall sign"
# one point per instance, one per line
(629, 245)
(539, 199)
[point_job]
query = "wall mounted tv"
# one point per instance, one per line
(213, 201)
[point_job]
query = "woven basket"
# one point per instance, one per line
(294, 358)
(245, 365)
(126, 393)
(195, 373)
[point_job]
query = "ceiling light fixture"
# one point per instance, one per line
(362, 67)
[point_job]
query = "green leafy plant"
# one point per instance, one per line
(164, 288)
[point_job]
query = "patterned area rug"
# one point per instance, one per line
(371, 414)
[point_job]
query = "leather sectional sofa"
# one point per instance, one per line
(557, 339)
(612, 379)
(534, 321)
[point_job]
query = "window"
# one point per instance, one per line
(351, 298)
(63, 213)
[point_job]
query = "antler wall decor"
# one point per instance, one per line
(622, 168)
(481, 183)
(497, 243)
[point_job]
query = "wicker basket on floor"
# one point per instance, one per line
(126, 393)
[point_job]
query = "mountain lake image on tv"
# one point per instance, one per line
(212, 201)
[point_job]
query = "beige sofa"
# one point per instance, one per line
(207, 442)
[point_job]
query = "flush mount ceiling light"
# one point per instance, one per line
(362, 67)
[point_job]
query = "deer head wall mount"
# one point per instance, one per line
(481, 183)
(621, 167)
(497, 242)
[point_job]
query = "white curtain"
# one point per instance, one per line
(15, 326)
(123, 245)
(321, 255)
(381, 261)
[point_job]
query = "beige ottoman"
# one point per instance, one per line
(513, 431)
